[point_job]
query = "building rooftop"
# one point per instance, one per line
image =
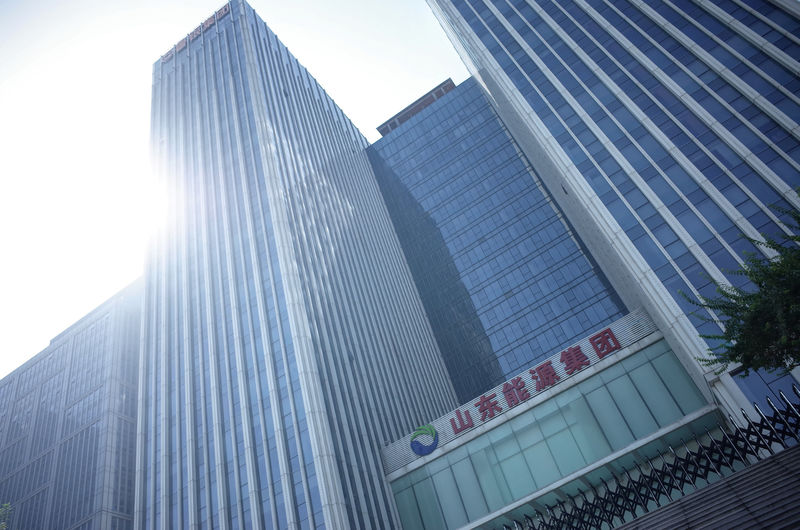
(407, 113)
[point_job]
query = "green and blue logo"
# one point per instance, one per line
(420, 448)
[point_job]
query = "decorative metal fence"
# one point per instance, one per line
(669, 476)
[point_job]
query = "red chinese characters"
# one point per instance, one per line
(515, 392)
(208, 22)
(604, 343)
(221, 12)
(544, 375)
(574, 359)
(464, 422)
(488, 406)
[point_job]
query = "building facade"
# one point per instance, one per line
(666, 131)
(503, 277)
(284, 341)
(579, 417)
(508, 263)
(68, 424)
(567, 385)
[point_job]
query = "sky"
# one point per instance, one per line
(77, 201)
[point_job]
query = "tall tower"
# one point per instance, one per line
(502, 275)
(665, 131)
(283, 339)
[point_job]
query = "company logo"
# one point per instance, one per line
(420, 448)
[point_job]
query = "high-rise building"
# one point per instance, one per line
(528, 239)
(553, 417)
(283, 339)
(503, 277)
(68, 424)
(667, 132)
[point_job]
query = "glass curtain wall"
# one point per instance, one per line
(600, 416)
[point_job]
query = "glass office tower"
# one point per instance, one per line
(68, 424)
(504, 279)
(667, 131)
(283, 340)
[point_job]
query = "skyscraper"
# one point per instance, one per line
(287, 355)
(283, 340)
(502, 275)
(546, 444)
(664, 130)
(68, 424)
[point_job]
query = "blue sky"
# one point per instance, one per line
(76, 199)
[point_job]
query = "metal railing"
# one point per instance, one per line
(669, 476)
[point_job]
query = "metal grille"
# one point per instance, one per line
(681, 470)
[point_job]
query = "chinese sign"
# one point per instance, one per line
(541, 377)
(224, 10)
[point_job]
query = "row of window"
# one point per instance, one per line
(682, 194)
(491, 255)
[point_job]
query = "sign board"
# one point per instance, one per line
(539, 378)
(210, 21)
